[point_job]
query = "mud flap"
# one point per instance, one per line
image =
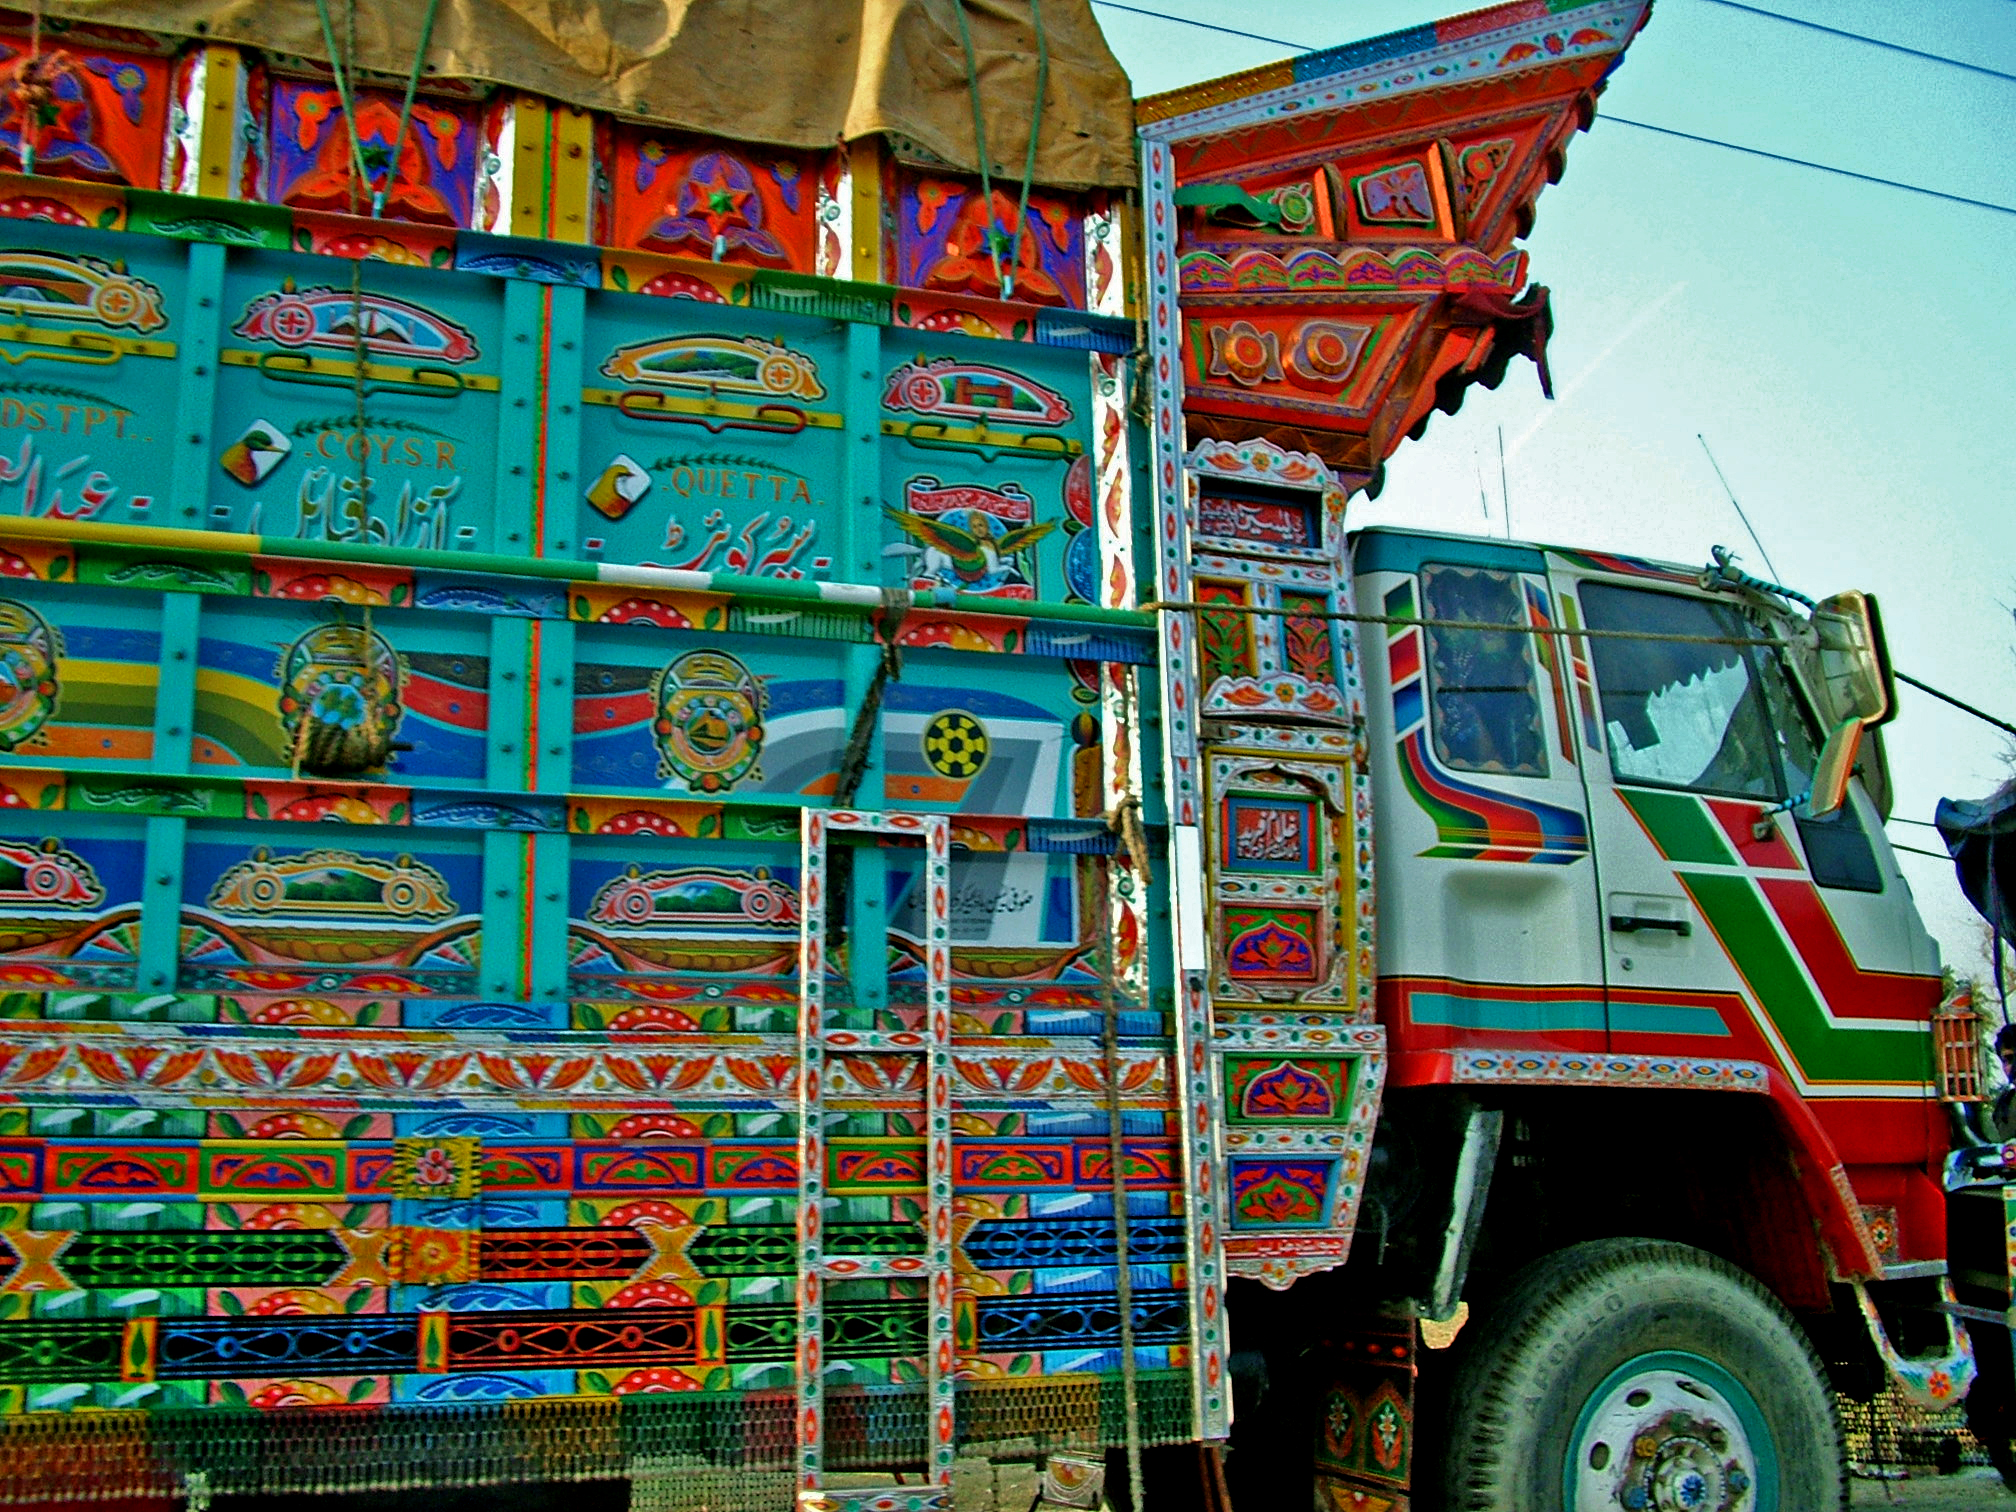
(1365, 1440)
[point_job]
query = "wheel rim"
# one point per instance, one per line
(1670, 1432)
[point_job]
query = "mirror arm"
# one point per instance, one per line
(1763, 827)
(1724, 573)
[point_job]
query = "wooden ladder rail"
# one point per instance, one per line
(819, 1047)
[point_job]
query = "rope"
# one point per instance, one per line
(995, 235)
(405, 109)
(1447, 624)
(888, 627)
(358, 174)
(344, 68)
(32, 92)
(1124, 820)
(1116, 1151)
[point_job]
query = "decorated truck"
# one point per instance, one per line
(694, 765)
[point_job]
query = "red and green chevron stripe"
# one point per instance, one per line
(1778, 934)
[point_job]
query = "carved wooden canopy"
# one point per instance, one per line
(1337, 231)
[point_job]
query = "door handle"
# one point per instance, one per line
(1632, 923)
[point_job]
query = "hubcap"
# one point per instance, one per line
(1670, 1433)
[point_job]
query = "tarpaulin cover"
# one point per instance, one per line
(795, 73)
(1980, 835)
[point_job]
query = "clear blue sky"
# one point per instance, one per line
(1846, 348)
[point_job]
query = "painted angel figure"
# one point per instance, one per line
(969, 549)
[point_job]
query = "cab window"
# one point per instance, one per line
(1699, 710)
(1485, 697)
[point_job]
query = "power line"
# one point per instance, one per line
(1155, 15)
(1755, 10)
(1961, 704)
(1685, 136)
(1866, 40)
(1798, 162)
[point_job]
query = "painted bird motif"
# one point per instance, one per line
(975, 552)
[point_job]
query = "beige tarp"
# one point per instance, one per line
(797, 73)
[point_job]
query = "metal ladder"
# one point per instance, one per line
(820, 1049)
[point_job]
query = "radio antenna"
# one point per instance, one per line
(1734, 501)
(1504, 490)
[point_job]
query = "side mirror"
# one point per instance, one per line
(1833, 768)
(1855, 685)
(1854, 666)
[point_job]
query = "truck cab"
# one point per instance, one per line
(1598, 862)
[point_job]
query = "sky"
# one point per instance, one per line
(1844, 347)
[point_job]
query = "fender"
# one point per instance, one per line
(1824, 1179)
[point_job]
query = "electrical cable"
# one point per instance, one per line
(1961, 704)
(1918, 850)
(1229, 31)
(1864, 38)
(1799, 162)
(1769, 15)
(1776, 157)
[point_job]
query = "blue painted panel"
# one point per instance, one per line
(260, 663)
(705, 715)
(697, 909)
(959, 736)
(349, 908)
(70, 888)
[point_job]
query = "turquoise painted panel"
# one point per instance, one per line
(87, 423)
(977, 487)
(749, 485)
(291, 461)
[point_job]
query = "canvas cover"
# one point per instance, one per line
(796, 73)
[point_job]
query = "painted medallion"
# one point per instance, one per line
(709, 728)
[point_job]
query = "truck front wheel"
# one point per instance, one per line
(1644, 1375)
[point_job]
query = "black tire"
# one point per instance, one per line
(1664, 1350)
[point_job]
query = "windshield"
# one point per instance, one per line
(1701, 710)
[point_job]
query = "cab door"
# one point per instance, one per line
(1487, 894)
(1731, 930)
(1673, 736)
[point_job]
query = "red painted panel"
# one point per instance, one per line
(734, 203)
